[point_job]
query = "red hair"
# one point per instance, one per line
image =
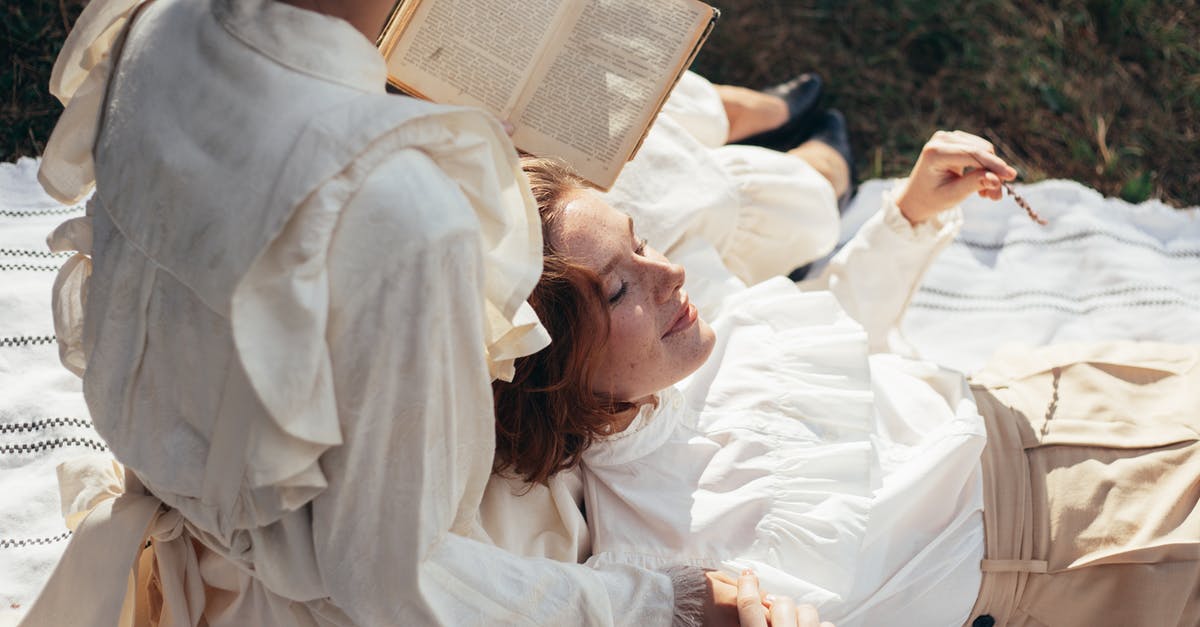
(548, 415)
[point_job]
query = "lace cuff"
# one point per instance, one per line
(690, 592)
(933, 227)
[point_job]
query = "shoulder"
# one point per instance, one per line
(408, 161)
(406, 196)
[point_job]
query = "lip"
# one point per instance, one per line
(684, 318)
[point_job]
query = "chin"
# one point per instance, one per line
(704, 342)
(708, 339)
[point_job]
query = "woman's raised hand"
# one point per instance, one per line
(952, 166)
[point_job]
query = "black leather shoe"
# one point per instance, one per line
(801, 95)
(830, 129)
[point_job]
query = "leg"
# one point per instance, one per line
(779, 117)
(751, 112)
(829, 162)
(828, 151)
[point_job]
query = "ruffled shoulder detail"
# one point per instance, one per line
(282, 359)
(79, 80)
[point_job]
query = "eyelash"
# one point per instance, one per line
(639, 250)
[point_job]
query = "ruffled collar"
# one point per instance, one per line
(650, 429)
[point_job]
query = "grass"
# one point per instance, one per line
(31, 33)
(1106, 92)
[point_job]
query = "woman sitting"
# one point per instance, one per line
(1059, 488)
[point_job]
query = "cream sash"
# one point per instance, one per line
(114, 520)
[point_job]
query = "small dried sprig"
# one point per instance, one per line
(1024, 204)
(1020, 200)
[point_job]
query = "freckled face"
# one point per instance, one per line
(655, 335)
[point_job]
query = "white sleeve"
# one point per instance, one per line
(876, 273)
(406, 335)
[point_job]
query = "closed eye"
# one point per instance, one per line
(616, 298)
(639, 249)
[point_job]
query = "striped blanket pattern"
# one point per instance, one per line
(1102, 269)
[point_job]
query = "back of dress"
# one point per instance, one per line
(194, 180)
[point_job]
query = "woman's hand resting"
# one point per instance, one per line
(952, 166)
(745, 605)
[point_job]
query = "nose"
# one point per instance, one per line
(671, 276)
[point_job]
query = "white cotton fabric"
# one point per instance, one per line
(1101, 270)
(300, 288)
(849, 481)
(43, 419)
(765, 212)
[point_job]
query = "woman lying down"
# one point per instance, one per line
(1058, 488)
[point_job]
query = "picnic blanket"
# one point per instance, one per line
(1102, 269)
(43, 419)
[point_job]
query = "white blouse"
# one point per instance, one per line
(301, 288)
(847, 477)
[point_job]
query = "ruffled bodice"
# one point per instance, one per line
(845, 480)
(763, 457)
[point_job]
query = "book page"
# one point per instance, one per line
(473, 52)
(591, 102)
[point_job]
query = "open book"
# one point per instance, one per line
(580, 80)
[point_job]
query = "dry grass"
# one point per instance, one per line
(31, 33)
(1102, 91)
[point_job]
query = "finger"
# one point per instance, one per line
(995, 187)
(990, 161)
(722, 577)
(509, 129)
(964, 160)
(991, 194)
(783, 612)
(974, 140)
(991, 182)
(964, 186)
(806, 616)
(751, 612)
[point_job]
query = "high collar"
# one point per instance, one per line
(650, 429)
(331, 49)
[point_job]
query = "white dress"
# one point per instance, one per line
(765, 212)
(847, 479)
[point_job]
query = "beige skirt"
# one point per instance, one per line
(1092, 481)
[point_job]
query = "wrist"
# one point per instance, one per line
(909, 207)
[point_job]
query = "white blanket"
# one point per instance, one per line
(1102, 269)
(43, 419)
